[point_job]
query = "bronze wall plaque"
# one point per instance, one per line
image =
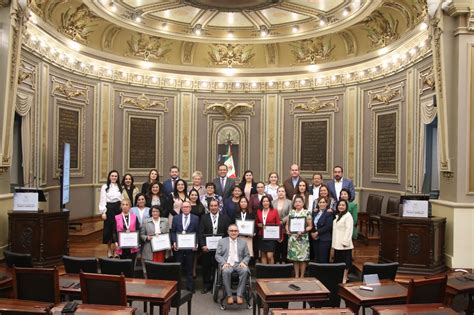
(142, 151)
(68, 132)
(314, 142)
(386, 162)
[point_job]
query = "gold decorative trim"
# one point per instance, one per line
(427, 80)
(385, 96)
(147, 47)
(315, 105)
(27, 75)
(230, 109)
(4, 3)
(230, 55)
(77, 24)
(143, 102)
(69, 90)
(3, 170)
(312, 50)
(381, 30)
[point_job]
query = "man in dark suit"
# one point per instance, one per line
(314, 187)
(168, 185)
(338, 182)
(291, 184)
(233, 255)
(223, 183)
(211, 223)
(185, 223)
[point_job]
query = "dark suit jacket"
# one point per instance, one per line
(226, 192)
(205, 226)
(324, 225)
(168, 187)
(163, 206)
(177, 227)
(254, 202)
(346, 183)
(310, 189)
(290, 190)
(252, 191)
(248, 217)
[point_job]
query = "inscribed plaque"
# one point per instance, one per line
(142, 153)
(386, 162)
(314, 141)
(68, 132)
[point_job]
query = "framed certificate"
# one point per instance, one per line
(186, 241)
(271, 232)
(246, 228)
(297, 224)
(128, 239)
(160, 242)
(212, 240)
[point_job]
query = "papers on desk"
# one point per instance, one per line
(128, 239)
(160, 242)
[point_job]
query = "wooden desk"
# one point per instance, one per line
(314, 311)
(277, 290)
(13, 306)
(388, 292)
(6, 283)
(457, 284)
(432, 309)
(93, 309)
(156, 291)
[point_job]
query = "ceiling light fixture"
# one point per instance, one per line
(322, 21)
(295, 29)
(263, 30)
(220, 85)
(197, 30)
(254, 84)
(270, 84)
(230, 34)
(154, 79)
(238, 85)
(113, 7)
(287, 83)
(423, 26)
(346, 12)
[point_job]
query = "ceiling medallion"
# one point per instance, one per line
(230, 55)
(232, 6)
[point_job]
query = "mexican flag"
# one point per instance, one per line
(229, 162)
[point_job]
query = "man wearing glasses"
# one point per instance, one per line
(233, 255)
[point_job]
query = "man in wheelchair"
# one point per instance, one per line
(232, 255)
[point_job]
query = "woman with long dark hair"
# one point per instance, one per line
(283, 207)
(266, 215)
(342, 236)
(154, 197)
(109, 207)
(247, 184)
(244, 213)
(321, 235)
(231, 204)
(153, 176)
(129, 190)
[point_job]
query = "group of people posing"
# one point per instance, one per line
(310, 218)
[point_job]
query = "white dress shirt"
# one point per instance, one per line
(112, 195)
(233, 257)
(338, 187)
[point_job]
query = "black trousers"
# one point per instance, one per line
(186, 257)
(321, 251)
(209, 265)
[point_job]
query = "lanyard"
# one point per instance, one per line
(214, 223)
(126, 223)
(244, 214)
(264, 216)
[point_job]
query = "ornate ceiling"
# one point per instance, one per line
(269, 35)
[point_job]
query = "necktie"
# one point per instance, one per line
(222, 183)
(214, 225)
(185, 227)
(173, 181)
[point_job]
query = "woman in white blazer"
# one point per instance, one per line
(342, 236)
(151, 227)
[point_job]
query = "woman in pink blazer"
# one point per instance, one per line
(126, 222)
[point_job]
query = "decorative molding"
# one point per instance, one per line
(271, 54)
(70, 91)
(187, 53)
(315, 105)
(146, 47)
(349, 41)
(312, 50)
(77, 24)
(23, 103)
(230, 55)
(385, 96)
(3, 170)
(427, 81)
(108, 36)
(4, 3)
(143, 102)
(229, 109)
(381, 30)
(27, 75)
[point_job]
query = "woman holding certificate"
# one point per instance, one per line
(342, 236)
(153, 233)
(297, 227)
(269, 230)
(321, 235)
(245, 221)
(283, 206)
(109, 207)
(127, 228)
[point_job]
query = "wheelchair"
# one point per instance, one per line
(218, 289)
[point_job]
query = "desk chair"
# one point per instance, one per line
(374, 209)
(17, 259)
(424, 291)
(384, 271)
(117, 267)
(77, 264)
(103, 289)
(36, 284)
(393, 205)
(265, 271)
(169, 271)
(330, 275)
